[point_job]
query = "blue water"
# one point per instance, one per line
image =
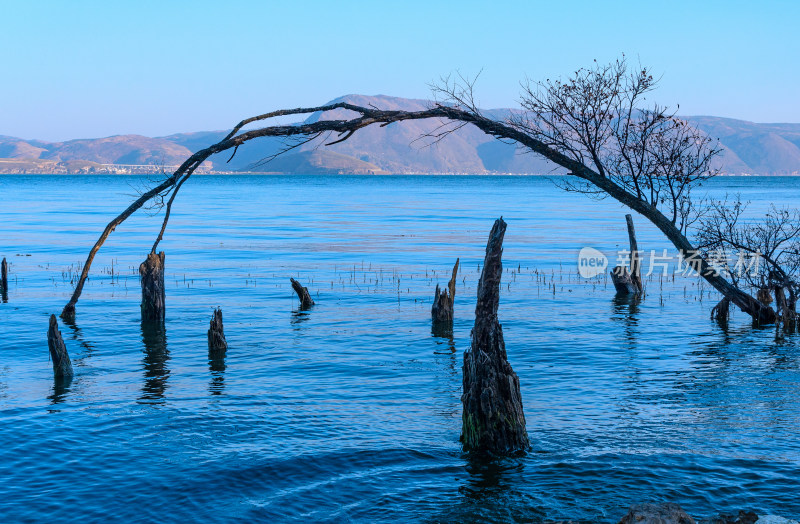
(351, 411)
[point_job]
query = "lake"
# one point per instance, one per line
(351, 411)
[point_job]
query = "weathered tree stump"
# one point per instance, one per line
(443, 301)
(722, 311)
(302, 294)
(216, 335)
(151, 275)
(62, 366)
(636, 261)
(4, 275)
(623, 281)
(629, 281)
(492, 418)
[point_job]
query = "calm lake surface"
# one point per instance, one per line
(351, 411)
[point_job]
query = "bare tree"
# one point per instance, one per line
(762, 255)
(593, 124)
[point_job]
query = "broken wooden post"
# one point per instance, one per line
(629, 282)
(302, 294)
(62, 367)
(492, 417)
(151, 273)
(216, 335)
(4, 275)
(443, 301)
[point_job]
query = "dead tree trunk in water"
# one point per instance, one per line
(4, 275)
(636, 261)
(594, 176)
(151, 273)
(722, 311)
(62, 366)
(443, 301)
(4, 280)
(786, 310)
(623, 281)
(216, 335)
(302, 294)
(629, 282)
(492, 419)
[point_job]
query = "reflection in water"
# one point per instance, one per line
(736, 387)
(625, 309)
(448, 384)
(156, 356)
(216, 365)
(77, 335)
(444, 330)
(4, 294)
(61, 386)
(492, 493)
(298, 317)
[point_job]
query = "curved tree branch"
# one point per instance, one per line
(369, 116)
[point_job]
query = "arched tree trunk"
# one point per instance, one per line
(151, 273)
(761, 313)
(492, 417)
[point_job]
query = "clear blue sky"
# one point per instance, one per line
(76, 69)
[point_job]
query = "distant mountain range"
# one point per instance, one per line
(749, 148)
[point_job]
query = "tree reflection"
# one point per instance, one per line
(61, 387)
(156, 357)
(216, 366)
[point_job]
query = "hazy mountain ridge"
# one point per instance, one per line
(405, 147)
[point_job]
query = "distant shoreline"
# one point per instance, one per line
(272, 173)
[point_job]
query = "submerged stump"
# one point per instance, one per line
(722, 311)
(443, 301)
(623, 281)
(4, 275)
(302, 293)
(629, 281)
(151, 275)
(216, 334)
(636, 261)
(492, 417)
(62, 366)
